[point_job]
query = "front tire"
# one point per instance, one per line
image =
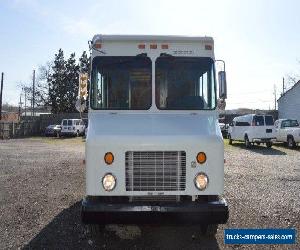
(290, 142)
(247, 142)
(230, 140)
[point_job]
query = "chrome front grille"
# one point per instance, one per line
(155, 170)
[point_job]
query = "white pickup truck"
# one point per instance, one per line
(287, 131)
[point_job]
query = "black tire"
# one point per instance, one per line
(230, 140)
(247, 142)
(291, 142)
(269, 144)
(209, 230)
(258, 143)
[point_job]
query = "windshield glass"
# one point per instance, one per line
(290, 123)
(185, 83)
(121, 83)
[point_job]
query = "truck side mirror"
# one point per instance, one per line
(222, 84)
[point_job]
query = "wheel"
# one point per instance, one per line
(269, 144)
(247, 142)
(258, 143)
(209, 230)
(230, 140)
(291, 143)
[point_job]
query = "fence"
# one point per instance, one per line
(19, 129)
(31, 126)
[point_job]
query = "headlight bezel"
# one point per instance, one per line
(115, 182)
(195, 181)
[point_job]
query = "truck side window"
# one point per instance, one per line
(259, 120)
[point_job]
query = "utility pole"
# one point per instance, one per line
(25, 90)
(275, 98)
(33, 92)
(283, 85)
(20, 106)
(1, 92)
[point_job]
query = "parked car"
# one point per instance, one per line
(74, 127)
(252, 129)
(287, 131)
(52, 130)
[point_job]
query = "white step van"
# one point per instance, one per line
(154, 149)
(252, 128)
(74, 127)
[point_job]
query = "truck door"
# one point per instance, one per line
(70, 125)
(282, 130)
(258, 127)
(276, 130)
(64, 124)
(270, 129)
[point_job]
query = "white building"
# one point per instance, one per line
(289, 103)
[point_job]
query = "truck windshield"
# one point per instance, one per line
(290, 123)
(185, 83)
(121, 83)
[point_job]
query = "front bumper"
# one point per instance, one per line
(188, 212)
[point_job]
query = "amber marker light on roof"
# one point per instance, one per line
(153, 46)
(201, 157)
(98, 45)
(208, 47)
(109, 158)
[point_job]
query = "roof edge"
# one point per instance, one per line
(152, 38)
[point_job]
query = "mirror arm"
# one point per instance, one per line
(222, 61)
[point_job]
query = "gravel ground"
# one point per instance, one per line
(42, 183)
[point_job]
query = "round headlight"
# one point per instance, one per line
(201, 181)
(109, 182)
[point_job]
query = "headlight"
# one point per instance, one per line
(201, 181)
(109, 182)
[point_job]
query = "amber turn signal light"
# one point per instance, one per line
(109, 158)
(201, 157)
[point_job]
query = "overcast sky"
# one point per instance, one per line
(259, 40)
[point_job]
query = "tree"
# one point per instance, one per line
(84, 63)
(56, 83)
(71, 84)
(84, 66)
(42, 87)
